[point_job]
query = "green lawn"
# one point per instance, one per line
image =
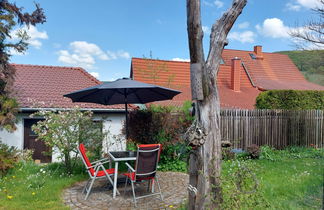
(291, 181)
(293, 184)
(288, 179)
(29, 187)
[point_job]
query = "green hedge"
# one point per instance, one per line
(290, 99)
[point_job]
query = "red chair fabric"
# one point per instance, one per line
(88, 163)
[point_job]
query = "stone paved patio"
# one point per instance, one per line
(173, 186)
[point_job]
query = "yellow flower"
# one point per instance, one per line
(13, 176)
(171, 206)
(9, 197)
(33, 193)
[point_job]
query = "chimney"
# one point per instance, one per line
(258, 52)
(236, 74)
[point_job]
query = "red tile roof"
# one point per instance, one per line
(38, 86)
(274, 71)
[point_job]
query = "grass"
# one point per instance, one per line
(31, 186)
(289, 179)
(292, 184)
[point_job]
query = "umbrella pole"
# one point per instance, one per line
(126, 115)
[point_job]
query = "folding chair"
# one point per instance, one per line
(94, 170)
(145, 169)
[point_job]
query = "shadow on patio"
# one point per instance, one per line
(173, 186)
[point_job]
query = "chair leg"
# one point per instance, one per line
(89, 190)
(86, 185)
(125, 185)
(152, 185)
(112, 183)
(157, 181)
(133, 193)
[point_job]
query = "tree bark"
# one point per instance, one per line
(205, 161)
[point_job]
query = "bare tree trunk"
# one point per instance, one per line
(205, 160)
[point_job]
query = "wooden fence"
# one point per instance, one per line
(276, 128)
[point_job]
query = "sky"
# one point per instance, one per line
(102, 36)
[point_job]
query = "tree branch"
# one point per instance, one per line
(195, 32)
(219, 33)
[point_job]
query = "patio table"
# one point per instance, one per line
(118, 156)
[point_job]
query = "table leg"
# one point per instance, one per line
(115, 179)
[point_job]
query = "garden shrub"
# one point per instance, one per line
(269, 153)
(290, 99)
(174, 157)
(227, 153)
(240, 186)
(254, 151)
(163, 125)
(64, 130)
(8, 158)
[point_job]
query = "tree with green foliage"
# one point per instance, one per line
(10, 17)
(310, 63)
(290, 99)
(64, 130)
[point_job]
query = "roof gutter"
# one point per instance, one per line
(26, 109)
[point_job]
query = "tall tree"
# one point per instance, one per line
(205, 160)
(312, 33)
(10, 17)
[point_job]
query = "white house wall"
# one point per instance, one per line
(112, 123)
(15, 138)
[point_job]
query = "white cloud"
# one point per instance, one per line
(95, 74)
(119, 54)
(219, 4)
(293, 7)
(208, 3)
(85, 48)
(206, 29)
(34, 35)
(274, 28)
(243, 37)
(85, 54)
(181, 59)
(309, 3)
(243, 25)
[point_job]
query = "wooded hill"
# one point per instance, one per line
(310, 63)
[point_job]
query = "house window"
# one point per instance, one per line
(252, 56)
(222, 61)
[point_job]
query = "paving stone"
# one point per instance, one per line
(173, 187)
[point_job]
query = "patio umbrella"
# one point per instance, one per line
(123, 91)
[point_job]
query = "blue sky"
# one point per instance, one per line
(103, 35)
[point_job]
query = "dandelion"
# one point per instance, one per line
(171, 206)
(13, 177)
(33, 193)
(9, 197)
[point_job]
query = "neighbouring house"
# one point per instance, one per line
(42, 87)
(242, 76)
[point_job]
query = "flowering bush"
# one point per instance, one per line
(8, 158)
(64, 130)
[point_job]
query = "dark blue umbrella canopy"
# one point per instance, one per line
(123, 91)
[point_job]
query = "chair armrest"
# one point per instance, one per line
(130, 167)
(104, 159)
(98, 164)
